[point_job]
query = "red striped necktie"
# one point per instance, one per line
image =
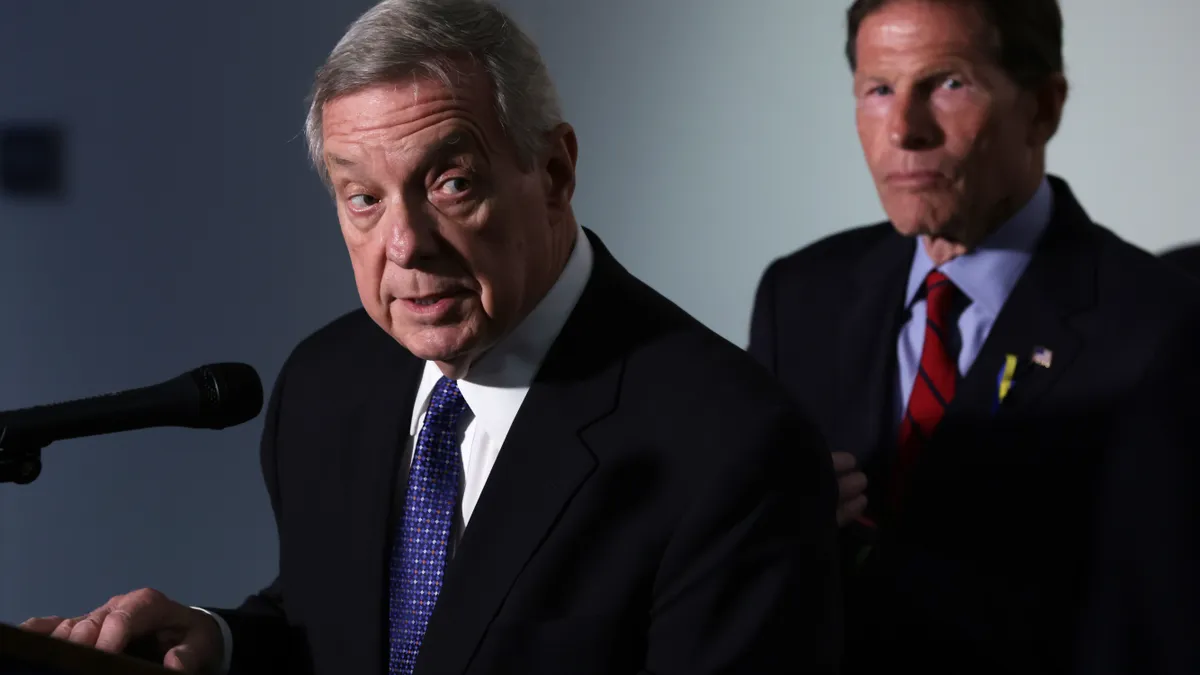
(933, 389)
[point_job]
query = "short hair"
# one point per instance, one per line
(1029, 35)
(397, 38)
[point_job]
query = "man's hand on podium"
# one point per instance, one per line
(188, 640)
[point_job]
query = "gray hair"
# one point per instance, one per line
(397, 38)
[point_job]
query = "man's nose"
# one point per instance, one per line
(911, 124)
(411, 234)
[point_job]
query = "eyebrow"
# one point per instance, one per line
(456, 141)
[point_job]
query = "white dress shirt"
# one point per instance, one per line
(494, 388)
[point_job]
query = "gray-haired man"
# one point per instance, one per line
(538, 465)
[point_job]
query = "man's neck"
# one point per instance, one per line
(562, 248)
(455, 369)
(941, 250)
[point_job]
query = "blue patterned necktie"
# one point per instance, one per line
(431, 501)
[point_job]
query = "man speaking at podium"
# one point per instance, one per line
(539, 464)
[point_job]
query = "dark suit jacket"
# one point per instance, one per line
(1142, 613)
(990, 562)
(1186, 258)
(659, 506)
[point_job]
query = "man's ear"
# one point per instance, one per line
(1049, 99)
(558, 167)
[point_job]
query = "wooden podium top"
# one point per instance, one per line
(25, 653)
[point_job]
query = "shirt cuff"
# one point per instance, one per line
(226, 641)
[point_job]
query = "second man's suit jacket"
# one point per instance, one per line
(990, 566)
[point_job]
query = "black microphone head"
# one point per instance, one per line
(230, 394)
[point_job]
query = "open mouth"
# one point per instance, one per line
(434, 305)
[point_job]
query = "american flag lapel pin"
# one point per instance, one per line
(1042, 356)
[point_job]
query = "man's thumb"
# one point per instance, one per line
(182, 658)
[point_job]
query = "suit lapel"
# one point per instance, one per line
(867, 346)
(1058, 284)
(542, 464)
(390, 384)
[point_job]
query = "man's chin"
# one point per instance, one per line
(925, 224)
(915, 214)
(443, 344)
(908, 228)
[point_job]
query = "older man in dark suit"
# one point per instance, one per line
(983, 361)
(516, 458)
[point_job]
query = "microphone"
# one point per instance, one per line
(215, 396)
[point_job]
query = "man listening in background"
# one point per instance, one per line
(982, 361)
(517, 457)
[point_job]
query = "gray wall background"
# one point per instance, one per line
(714, 136)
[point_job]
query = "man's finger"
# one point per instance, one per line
(41, 624)
(843, 462)
(117, 631)
(851, 510)
(86, 630)
(137, 614)
(851, 485)
(63, 630)
(180, 658)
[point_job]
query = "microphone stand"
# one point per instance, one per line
(20, 461)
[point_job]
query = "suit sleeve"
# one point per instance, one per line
(762, 320)
(263, 639)
(1143, 610)
(749, 582)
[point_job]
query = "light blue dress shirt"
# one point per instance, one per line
(985, 276)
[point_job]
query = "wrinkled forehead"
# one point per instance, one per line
(907, 27)
(412, 114)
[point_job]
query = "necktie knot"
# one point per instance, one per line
(445, 405)
(939, 297)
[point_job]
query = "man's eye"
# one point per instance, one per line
(456, 185)
(363, 201)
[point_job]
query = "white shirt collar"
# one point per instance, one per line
(495, 386)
